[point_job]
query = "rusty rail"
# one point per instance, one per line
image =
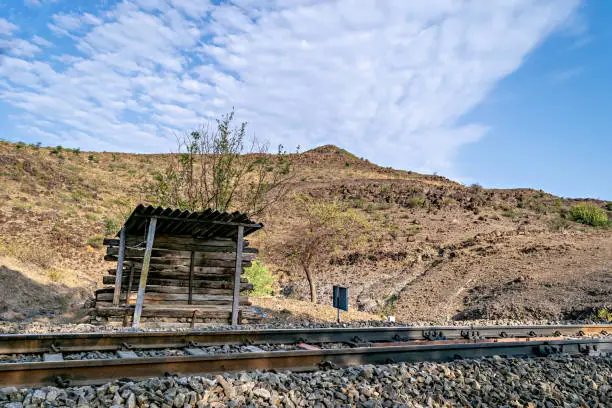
(98, 371)
(81, 342)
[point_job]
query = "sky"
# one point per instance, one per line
(504, 93)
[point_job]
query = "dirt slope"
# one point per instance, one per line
(441, 250)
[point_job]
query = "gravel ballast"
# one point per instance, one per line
(39, 328)
(495, 382)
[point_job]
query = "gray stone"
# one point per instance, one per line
(5, 393)
(179, 400)
(14, 405)
(39, 396)
(52, 395)
(228, 389)
(262, 392)
(131, 401)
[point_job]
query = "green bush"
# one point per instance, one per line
(389, 308)
(415, 202)
(589, 214)
(56, 150)
(609, 206)
(95, 241)
(261, 278)
(605, 314)
(111, 226)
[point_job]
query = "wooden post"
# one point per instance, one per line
(236, 302)
(129, 288)
(191, 262)
(144, 272)
(119, 276)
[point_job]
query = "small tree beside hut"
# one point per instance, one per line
(329, 227)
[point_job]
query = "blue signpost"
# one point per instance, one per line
(340, 299)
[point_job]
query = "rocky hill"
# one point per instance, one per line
(441, 250)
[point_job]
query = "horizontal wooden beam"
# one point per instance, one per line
(181, 272)
(172, 297)
(197, 283)
(183, 255)
(203, 312)
(151, 288)
(179, 262)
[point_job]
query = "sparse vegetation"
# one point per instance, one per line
(416, 202)
(95, 241)
(605, 314)
(56, 150)
(54, 275)
(214, 170)
(413, 229)
(389, 307)
(329, 227)
(41, 256)
(51, 208)
(263, 281)
(558, 224)
(93, 217)
(111, 226)
(357, 203)
(510, 214)
(589, 214)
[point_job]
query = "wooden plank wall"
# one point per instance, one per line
(168, 284)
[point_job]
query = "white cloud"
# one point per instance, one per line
(19, 47)
(6, 27)
(388, 80)
(66, 24)
(41, 41)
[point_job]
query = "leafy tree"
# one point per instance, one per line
(329, 227)
(213, 169)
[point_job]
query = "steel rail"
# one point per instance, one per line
(82, 342)
(82, 372)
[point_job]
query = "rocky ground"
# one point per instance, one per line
(437, 250)
(493, 382)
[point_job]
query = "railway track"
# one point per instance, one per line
(133, 354)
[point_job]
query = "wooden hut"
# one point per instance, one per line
(178, 265)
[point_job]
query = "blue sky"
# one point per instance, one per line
(505, 94)
(551, 120)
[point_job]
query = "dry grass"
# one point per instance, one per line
(55, 211)
(302, 311)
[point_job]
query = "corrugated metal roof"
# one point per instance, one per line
(201, 224)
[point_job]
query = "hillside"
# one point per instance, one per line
(441, 250)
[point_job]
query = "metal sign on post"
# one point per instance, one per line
(340, 299)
